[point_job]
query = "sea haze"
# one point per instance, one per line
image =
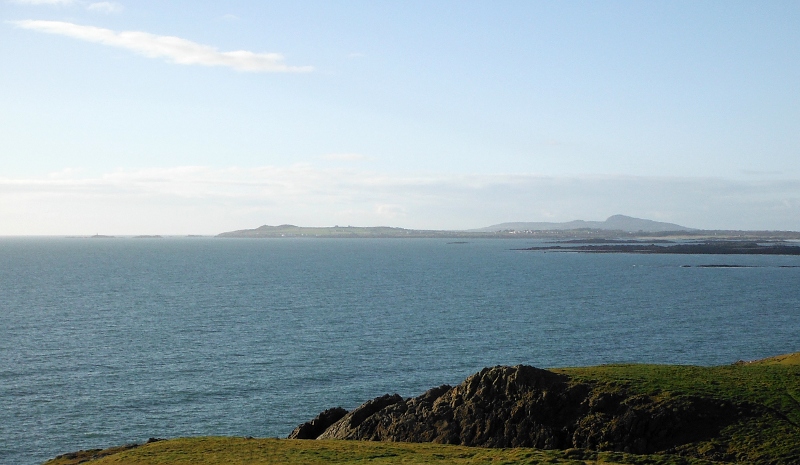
(109, 341)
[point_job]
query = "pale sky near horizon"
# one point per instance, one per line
(198, 117)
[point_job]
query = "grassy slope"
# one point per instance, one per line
(242, 451)
(774, 383)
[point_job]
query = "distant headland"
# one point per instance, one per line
(616, 227)
(613, 223)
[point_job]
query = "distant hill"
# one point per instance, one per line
(617, 227)
(613, 223)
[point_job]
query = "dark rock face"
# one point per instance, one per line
(523, 406)
(498, 407)
(312, 429)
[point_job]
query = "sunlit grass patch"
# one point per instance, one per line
(242, 451)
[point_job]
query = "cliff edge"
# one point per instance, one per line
(714, 413)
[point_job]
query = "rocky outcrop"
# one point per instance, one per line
(523, 406)
(314, 428)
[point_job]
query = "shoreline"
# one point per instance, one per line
(624, 414)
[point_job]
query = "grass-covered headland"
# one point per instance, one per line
(739, 413)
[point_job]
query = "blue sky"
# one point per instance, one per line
(179, 117)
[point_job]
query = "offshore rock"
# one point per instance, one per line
(523, 406)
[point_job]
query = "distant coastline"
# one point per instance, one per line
(583, 235)
(705, 248)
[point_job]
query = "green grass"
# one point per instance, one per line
(242, 451)
(773, 383)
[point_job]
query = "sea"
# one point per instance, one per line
(111, 341)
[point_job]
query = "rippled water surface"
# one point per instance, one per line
(104, 342)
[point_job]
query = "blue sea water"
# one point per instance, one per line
(105, 342)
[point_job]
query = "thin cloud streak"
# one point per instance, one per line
(197, 199)
(97, 7)
(174, 49)
(43, 2)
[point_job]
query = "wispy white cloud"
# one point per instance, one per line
(211, 200)
(43, 2)
(105, 7)
(174, 49)
(100, 7)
